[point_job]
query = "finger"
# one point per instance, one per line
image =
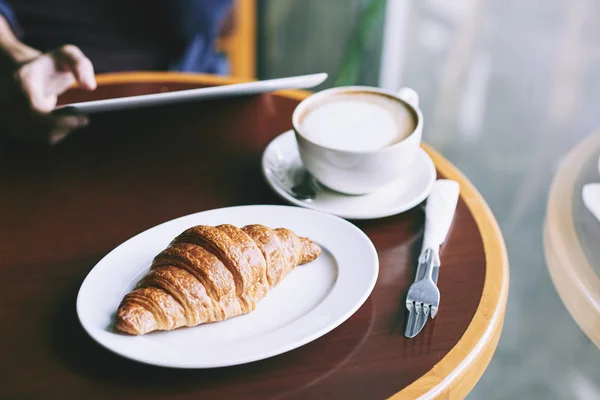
(71, 121)
(59, 83)
(58, 136)
(51, 122)
(73, 59)
(35, 128)
(64, 125)
(38, 83)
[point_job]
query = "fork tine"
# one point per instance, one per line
(418, 314)
(410, 305)
(421, 319)
(417, 324)
(426, 308)
(411, 319)
(425, 295)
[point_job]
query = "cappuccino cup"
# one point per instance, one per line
(358, 139)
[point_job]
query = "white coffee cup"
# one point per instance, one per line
(359, 171)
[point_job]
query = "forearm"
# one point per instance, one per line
(12, 50)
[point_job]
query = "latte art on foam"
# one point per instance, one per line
(358, 122)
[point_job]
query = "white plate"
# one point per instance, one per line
(396, 198)
(239, 89)
(311, 301)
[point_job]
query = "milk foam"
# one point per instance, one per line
(358, 122)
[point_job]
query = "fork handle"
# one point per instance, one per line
(439, 213)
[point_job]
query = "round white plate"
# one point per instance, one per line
(396, 198)
(311, 301)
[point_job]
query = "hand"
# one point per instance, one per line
(29, 93)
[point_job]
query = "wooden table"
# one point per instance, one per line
(571, 237)
(64, 209)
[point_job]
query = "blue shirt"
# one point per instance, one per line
(122, 35)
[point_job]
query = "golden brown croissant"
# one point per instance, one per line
(209, 274)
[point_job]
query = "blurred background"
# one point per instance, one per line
(507, 88)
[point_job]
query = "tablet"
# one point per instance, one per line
(182, 96)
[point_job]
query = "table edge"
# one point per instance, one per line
(182, 77)
(573, 276)
(459, 370)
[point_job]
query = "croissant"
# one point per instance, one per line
(210, 274)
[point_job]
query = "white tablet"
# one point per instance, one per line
(182, 96)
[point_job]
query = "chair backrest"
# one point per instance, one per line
(240, 43)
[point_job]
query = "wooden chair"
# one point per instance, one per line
(239, 40)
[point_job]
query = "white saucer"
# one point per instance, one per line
(396, 198)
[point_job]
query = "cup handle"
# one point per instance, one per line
(409, 95)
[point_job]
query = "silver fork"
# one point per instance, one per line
(423, 298)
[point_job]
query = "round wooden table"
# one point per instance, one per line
(63, 209)
(572, 234)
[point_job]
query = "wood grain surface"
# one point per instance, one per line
(64, 208)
